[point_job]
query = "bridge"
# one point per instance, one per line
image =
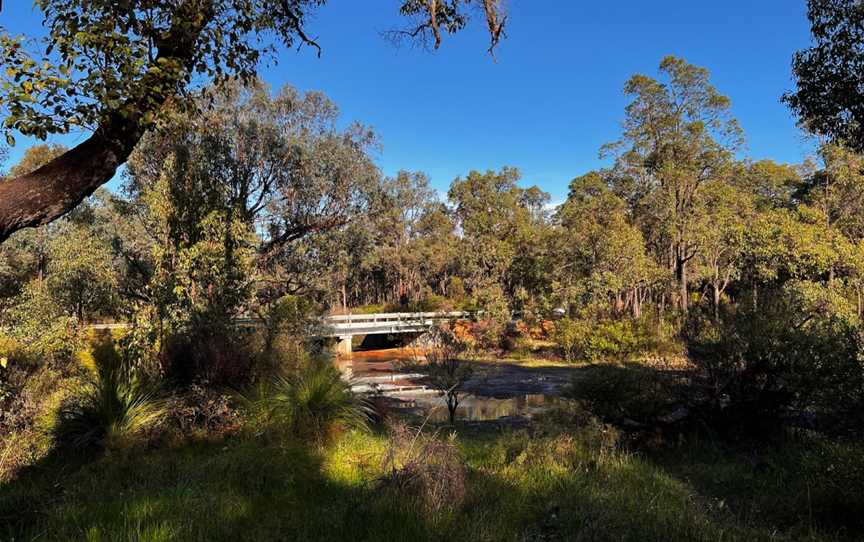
(345, 327)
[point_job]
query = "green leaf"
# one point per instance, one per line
(10, 140)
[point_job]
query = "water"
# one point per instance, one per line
(497, 391)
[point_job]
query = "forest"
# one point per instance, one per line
(702, 307)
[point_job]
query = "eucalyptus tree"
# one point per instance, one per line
(109, 68)
(772, 185)
(601, 257)
(678, 134)
(404, 201)
(722, 239)
(502, 227)
(829, 98)
(25, 257)
(234, 189)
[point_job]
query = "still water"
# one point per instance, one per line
(378, 371)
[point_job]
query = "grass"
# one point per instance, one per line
(570, 485)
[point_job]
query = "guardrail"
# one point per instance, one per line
(347, 322)
(393, 317)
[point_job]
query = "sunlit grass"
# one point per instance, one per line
(568, 486)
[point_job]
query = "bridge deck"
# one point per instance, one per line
(384, 323)
(348, 325)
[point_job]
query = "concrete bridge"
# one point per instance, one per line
(345, 327)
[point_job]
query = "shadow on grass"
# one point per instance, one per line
(236, 491)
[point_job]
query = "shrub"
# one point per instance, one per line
(424, 468)
(590, 340)
(204, 410)
(629, 392)
(215, 358)
(110, 407)
(761, 364)
(312, 400)
(443, 365)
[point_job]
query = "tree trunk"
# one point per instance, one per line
(716, 291)
(40, 197)
(681, 275)
(37, 198)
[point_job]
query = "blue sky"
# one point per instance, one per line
(555, 94)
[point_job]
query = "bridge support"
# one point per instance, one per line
(343, 347)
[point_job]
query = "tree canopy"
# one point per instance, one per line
(110, 67)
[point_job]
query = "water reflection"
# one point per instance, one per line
(376, 372)
(476, 408)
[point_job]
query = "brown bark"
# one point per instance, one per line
(683, 292)
(57, 187)
(37, 198)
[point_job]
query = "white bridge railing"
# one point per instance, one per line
(393, 322)
(354, 324)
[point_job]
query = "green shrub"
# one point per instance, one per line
(761, 364)
(618, 392)
(312, 400)
(590, 340)
(110, 407)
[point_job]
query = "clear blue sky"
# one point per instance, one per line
(555, 94)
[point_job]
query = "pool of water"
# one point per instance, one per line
(496, 391)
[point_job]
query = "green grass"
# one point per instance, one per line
(562, 486)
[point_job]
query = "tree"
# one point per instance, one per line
(678, 135)
(26, 256)
(602, 256)
(500, 223)
(772, 184)
(722, 238)
(444, 365)
(110, 67)
(216, 208)
(829, 99)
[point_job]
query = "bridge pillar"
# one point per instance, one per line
(343, 347)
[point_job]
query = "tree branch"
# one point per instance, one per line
(53, 190)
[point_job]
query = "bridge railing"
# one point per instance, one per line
(346, 321)
(393, 317)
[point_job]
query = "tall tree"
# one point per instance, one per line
(678, 135)
(501, 224)
(604, 256)
(259, 172)
(110, 67)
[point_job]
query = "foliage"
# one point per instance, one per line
(678, 135)
(112, 407)
(35, 329)
(627, 393)
(100, 60)
(828, 98)
(309, 400)
(424, 467)
(786, 356)
(601, 339)
(443, 365)
(214, 357)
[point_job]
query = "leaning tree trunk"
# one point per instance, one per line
(57, 187)
(40, 197)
